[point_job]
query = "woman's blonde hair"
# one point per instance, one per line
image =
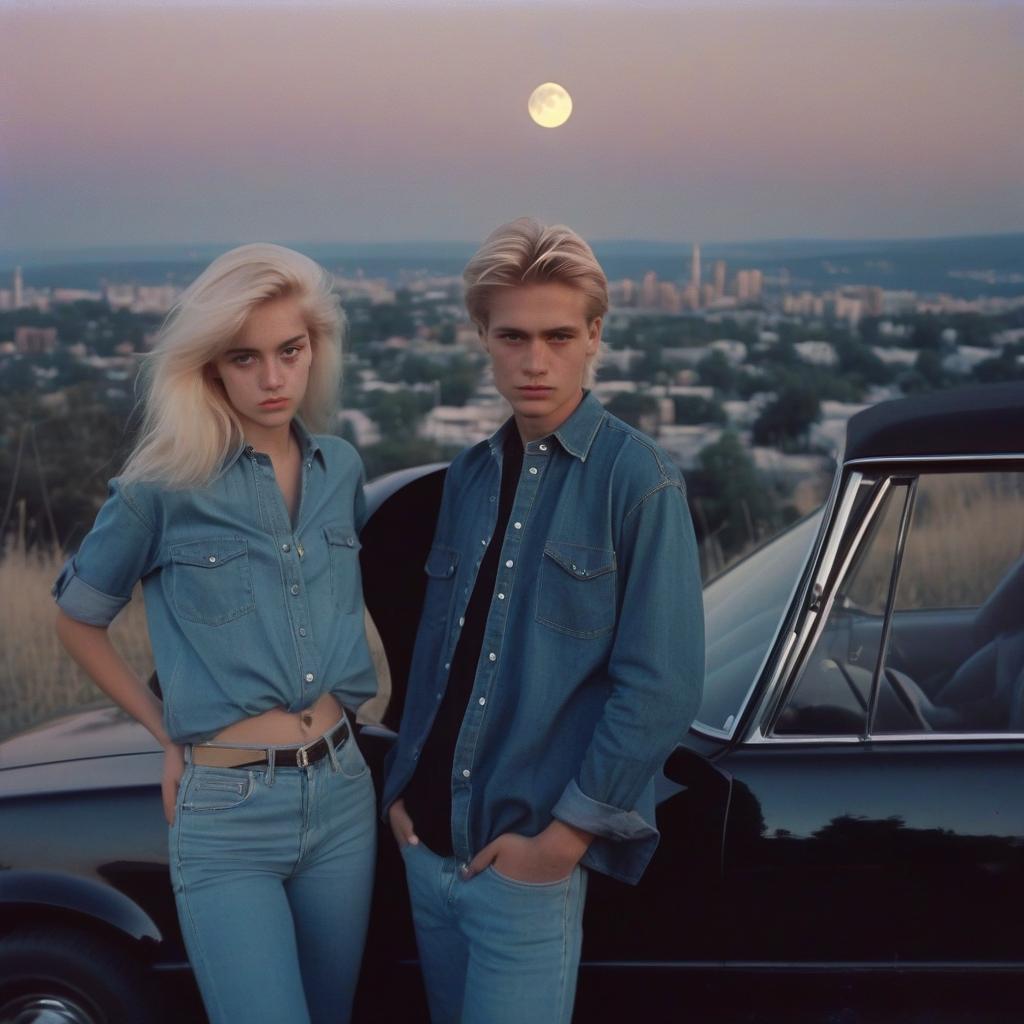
(189, 428)
(525, 251)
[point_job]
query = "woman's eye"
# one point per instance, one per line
(241, 360)
(291, 351)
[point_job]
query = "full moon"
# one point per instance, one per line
(550, 105)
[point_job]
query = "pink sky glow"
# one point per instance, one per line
(347, 123)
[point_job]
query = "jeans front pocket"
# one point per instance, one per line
(576, 589)
(343, 548)
(351, 762)
(217, 789)
(211, 580)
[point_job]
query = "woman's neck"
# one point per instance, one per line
(276, 443)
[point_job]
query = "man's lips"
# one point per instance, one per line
(534, 389)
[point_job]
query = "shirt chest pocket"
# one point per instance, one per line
(576, 589)
(343, 550)
(440, 569)
(211, 581)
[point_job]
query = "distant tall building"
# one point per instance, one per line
(649, 290)
(18, 289)
(35, 340)
(719, 278)
(695, 267)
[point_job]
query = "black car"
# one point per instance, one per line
(844, 822)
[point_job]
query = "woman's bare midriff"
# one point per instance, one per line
(278, 727)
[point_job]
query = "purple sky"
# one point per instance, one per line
(339, 122)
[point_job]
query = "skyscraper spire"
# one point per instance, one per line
(695, 267)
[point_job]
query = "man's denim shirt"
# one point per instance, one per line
(246, 612)
(593, 655)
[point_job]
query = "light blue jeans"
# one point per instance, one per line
(494, 950)
(272, 875)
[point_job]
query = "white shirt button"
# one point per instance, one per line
(466, 773)
(310, 677)
(501, 597)
(533, 470)
(294, 588)
(462, 620)
(482, 701)
(518, 526)
(213, 558)
(509, 564)
(484, 542)
(543, 447)
(492, 656)
(302, 631)
(447, 664)
(286, 548)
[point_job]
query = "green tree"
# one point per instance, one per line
(695, 409)
(638, 410)
(785, 422)
(715, 371)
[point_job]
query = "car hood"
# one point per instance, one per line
(102, 732)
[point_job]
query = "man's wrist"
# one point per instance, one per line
(566, 841)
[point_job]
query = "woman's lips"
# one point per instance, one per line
(273, 403)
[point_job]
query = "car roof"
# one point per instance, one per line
(982, 420)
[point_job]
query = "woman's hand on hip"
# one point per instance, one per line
(174, 768)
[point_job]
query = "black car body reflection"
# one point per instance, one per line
(848, 806)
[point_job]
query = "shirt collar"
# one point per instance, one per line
(575, 435)
(308, 445)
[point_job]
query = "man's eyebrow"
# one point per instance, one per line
(568, 329)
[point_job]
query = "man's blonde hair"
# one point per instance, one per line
(525, 251)
(189, 427)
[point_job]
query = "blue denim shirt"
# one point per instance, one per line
(246, 611)
(593, 656)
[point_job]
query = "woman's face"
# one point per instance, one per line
(266, 369)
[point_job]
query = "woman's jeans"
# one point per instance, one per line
(273, 874)
(494, 950)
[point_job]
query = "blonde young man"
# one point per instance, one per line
(560, 653)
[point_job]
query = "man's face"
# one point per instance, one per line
(540, 342)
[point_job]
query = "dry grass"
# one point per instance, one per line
(37, 678)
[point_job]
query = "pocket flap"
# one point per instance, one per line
(583, 563)
(343, 536)
(208, 553)
(441, 562)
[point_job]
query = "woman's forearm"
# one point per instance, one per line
(91, 649)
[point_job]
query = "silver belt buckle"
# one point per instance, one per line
(302, 757)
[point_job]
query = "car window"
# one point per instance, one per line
(948, 643)
(833, 690)
(956, 648)
(742, 611)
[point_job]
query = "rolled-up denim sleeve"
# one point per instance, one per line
(97, 581)
(655, 671)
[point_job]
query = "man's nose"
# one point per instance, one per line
(535, 357)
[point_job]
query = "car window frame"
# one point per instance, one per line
(800, 642)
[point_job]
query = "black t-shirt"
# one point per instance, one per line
(428, 797)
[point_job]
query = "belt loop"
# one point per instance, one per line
(335, 767)
(188, 753)
(271, 757)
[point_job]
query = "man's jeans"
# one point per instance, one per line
(495, 951)
(272, 874)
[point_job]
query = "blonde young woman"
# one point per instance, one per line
(242, 526)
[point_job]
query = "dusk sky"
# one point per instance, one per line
(130, 123)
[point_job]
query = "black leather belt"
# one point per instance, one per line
(213, 756)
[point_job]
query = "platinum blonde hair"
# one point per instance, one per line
(525, 251)
(189, 427)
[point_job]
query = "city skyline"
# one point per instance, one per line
(335, 122)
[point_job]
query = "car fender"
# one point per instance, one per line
(86, 897)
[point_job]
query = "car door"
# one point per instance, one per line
(877, 812)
